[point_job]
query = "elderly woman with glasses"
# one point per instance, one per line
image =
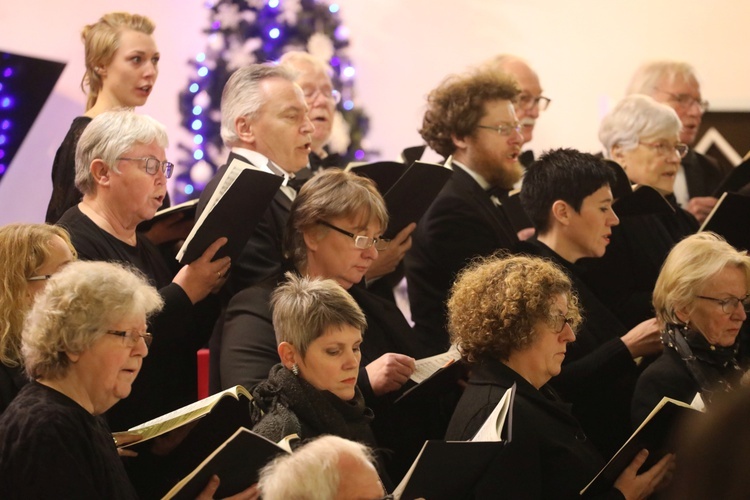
(122, 172)
(512, 318)
(29, 255)
(701, 299)
(84, 343)
(642, 136)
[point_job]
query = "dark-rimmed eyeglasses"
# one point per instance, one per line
(130, 339)
(504, 130)
(528, 101)
(360, 241)
(729, 305)
(311, 93)
(558, 321)
(664, 149)
(43, 277)
(685, 101)
(152, 165)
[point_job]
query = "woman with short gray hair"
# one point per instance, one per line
(83, 344)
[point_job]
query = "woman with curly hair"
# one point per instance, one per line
(512, 319)
(29, 255)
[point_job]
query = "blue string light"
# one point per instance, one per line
(189, 189)
(194, 88)
(274, 33)
(333, 8)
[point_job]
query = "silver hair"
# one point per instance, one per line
(312, 471)
(76, 307)
(243, 97)
(648, 75)
(303, 308)
(109, 136)
(637, 116)
(294, 58)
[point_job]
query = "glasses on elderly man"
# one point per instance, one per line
(729, 305)
(130, 339)
(152, 165)
(685, 101)
(665, 149)
(311, 93)
(504, 130)
(360, 241)
(528, 101)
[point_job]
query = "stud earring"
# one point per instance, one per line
(295, 369)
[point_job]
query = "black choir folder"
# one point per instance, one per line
(408, 191)
(197, 429)
(186, 209)
(737, 179)
(237, 462)
(643, 200)
(730, 218)
(654, 434)
(446, 470)
(233, 211)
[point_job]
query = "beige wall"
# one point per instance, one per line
(583, 50)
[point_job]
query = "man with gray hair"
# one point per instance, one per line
(529, 102)
(674, 83)
(327, 468)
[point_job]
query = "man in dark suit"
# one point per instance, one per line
(469, 118)
(264, 121)
(675, 84)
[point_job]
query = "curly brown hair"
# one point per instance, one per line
(455, 107)
(497, 301)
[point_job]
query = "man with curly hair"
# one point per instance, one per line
(470, 121)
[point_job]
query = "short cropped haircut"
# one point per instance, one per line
(304, 308)
(561, 174)
(455, 107)
(24, 248)
(688, 267)
(101, 40)
(647, 76)
(111, 135)
(497, 301)
(243, 96)
(77, 307)
(333, 193)
(312, 471)
(634, 117)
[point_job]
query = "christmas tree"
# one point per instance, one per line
(243, 32)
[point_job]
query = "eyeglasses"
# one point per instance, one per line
(43, 277)
(685, 101)
(153, 165)
(504, 130)
(528, 101)
(130, 339)
(360, 241)
(665, 149)
(729, 305)
(558, 322)
(311, 93)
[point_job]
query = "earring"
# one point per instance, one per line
(295, 369)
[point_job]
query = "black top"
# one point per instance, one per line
(548, 456)
(700, 368)
(51, 447)
(64, 191)
(168, 377)
(462, 223)
(625, 276)
(598, 375)
(12, 379)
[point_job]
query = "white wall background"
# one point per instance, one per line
(583, 50)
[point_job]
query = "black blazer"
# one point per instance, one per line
(461, 223)
(548, 456)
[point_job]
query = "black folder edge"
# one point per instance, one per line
(235, 215)
(384, 174)
(413, 193)
(436, 383)
(730, 218)
(187, 209)
(644, 200)
(735, 180)
(237, 462)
